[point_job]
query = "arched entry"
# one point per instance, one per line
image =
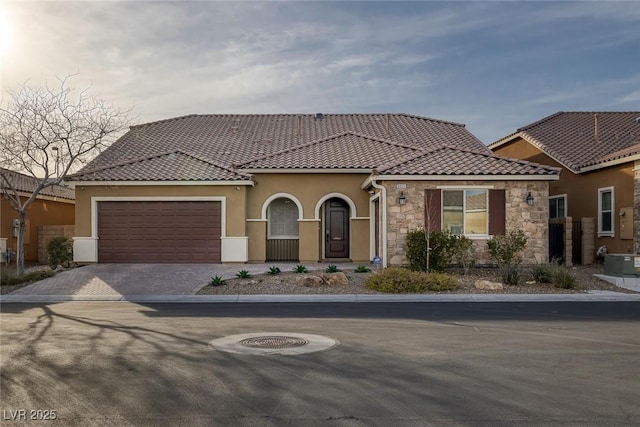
(336, 228)
(282, 230)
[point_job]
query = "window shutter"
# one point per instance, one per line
(433, 210)
(497, 212)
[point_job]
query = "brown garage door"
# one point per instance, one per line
(159, 232)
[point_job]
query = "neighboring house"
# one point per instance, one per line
(307, 188)
(55, 205)
(599, 153)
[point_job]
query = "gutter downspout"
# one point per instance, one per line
(383, 219)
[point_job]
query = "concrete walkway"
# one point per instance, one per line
(181, 282)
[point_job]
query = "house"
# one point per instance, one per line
(599, 154)
(55, 205)
(298, 187)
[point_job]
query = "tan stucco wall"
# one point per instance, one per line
(236, 201)
(41, 212)
(309, 189)
(245, 202)
(519, 216)
(582, 190)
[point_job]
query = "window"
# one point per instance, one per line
(606, 203)
(558, 206)
(465, 211)
(282, 215)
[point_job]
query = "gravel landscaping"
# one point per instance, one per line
(287, 284)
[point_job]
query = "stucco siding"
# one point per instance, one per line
(582, 190)
(41, 212)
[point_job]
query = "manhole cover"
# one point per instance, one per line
(285, 343)
(273, 342)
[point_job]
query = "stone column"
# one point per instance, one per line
(588, 240)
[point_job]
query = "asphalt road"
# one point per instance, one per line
(409, 364)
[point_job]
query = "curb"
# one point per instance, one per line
(597, 296)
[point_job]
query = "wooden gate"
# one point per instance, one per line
(556, 242)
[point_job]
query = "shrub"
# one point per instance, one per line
(440, 252)
(564, 279)
(543, 273)
(60, 250)
(274, 270)
(332, 269)
(506, 252)
(461, 248)
(401, 280)
(300, 268)
(243, 274)
(362, 269)
(7, 279)
(217, 281)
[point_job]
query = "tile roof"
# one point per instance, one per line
(233, 139)
(28, 184)
(344, 151)
(453, 161)
(571, 138)
(170, 166)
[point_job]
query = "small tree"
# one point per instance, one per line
(506, 252)
(47, 133)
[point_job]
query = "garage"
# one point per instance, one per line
(159, 231)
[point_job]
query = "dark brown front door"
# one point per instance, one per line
(159, 232)
(336, 229)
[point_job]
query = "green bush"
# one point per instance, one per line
(564, 279)
(300, 268)
(332, 268)
(544, 273)
(217, 281)
(243, 274)
(440, 253)
(7, 279)
(362, 269)
(60, 251)
(461, 248)
(506, 249)
(398, 280)
(274, 270)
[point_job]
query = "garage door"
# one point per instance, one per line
(159, 232)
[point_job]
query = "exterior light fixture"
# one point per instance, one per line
(530, 199)
(402, 199)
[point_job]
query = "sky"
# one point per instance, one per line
(494, 66)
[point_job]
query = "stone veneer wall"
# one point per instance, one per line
(533, 220)
(636, 207)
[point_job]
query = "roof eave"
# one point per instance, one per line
(74, 184)
(553, 177)
(610, 163)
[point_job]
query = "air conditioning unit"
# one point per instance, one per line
(622, 265)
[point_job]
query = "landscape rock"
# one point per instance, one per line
(335, 279)
(486, 285)
(310, 281)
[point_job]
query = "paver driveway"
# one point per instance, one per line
(141, 279)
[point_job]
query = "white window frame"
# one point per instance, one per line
(464, 209)
(566, 205)
(608, 233)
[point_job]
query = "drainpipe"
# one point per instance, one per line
(383, 219)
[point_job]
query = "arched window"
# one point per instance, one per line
(282, 215)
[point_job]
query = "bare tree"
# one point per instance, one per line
(48, 133)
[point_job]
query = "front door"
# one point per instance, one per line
(336, 229)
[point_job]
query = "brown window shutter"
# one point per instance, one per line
(497, 212)
(433, 210)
